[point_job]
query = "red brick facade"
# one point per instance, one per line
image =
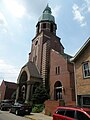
(66, 77)
(7, 89)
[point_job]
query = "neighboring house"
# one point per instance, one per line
(82, 75)
(7, 89)
(47, 64)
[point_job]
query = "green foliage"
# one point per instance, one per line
(37, 108)
(40, 95)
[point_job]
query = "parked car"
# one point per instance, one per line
(6, 104)
(20, 109)
(71, 113)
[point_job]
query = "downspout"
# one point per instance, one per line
(75, 84)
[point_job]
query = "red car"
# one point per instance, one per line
(71, 113)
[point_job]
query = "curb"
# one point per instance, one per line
(30, 118)
(38, 116)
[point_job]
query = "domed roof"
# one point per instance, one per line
(46, 16)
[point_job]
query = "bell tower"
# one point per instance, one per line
(46, 22)
(45, 40)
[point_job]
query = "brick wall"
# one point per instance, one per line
(3, 89)
(50, 106)
(65, 77)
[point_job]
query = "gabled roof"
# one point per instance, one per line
(68, 57)
(86, 44)
(32, 69)
(10, 84)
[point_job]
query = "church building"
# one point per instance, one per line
(47, 64)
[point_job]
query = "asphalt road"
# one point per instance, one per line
(5, 115)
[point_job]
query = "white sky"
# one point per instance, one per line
(18, 19)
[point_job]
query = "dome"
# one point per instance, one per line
(46, 16)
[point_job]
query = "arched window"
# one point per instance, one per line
(44, 25)
(51, 27)
(23, 77)
(58, 90)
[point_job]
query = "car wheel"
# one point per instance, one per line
(16, 112)
(10, 110)
(2, 108)
(28, 112)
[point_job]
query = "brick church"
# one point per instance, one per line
(47, 64)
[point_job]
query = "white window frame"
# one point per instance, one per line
(86, 71)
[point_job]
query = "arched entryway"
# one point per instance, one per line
(28, 79)
(23, 86)
(58, 90)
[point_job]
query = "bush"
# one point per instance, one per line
(40, 95)
(37, 108)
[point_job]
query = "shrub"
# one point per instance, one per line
(40, 95)
(37, 108)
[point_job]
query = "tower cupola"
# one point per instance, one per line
(46, 16)
(46, 21)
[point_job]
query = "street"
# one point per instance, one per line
(5, 115)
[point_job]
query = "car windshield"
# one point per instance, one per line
(20, 102)
(17, 104)
(6, 101)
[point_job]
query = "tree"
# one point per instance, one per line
(13, 95)
(40, 95)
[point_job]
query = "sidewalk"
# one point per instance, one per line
(38, 116)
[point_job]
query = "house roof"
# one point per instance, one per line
(85, 45)
(10, 84)
(68, 57)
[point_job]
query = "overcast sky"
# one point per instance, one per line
(18, 19)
